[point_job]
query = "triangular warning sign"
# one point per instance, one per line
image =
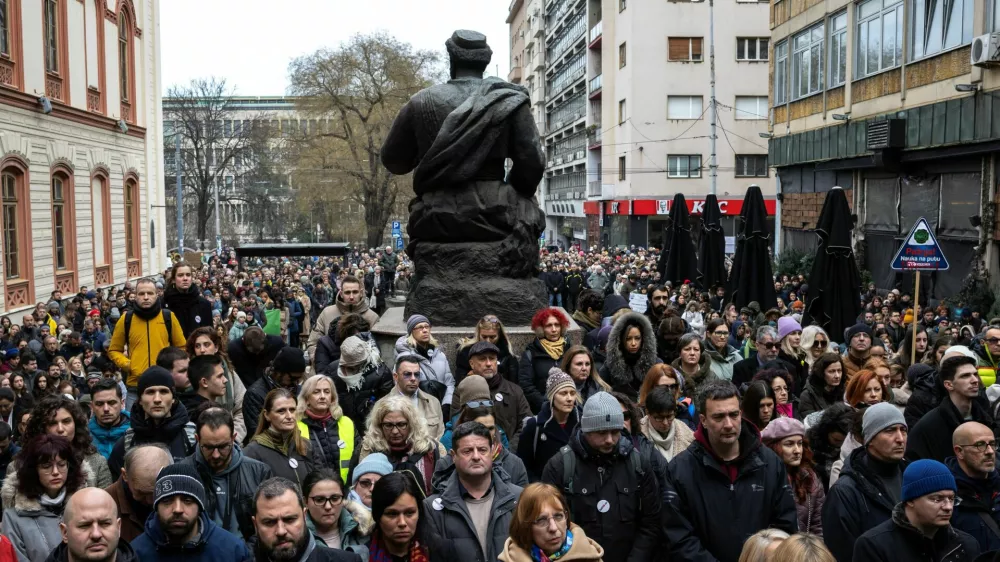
(920, 250)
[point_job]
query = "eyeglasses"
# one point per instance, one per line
(49, 466)
(939, 500)
(407, 375)
(992, 341)
(819, 343)
(220, 448)
(399, 426)
(491, 319)
(332, 500)
(982, 446)
(663, 418)
(480, 404)
(671, 387)
(721, 333)
(768, 345)
(366, 483)
(543, 521)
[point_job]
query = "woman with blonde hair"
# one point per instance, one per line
(799, 547)
(277, 442)
(435, 372)
(489, 328)
(813, 343)
(578, 363)
(398, 431)
(762, 544)
(321, 422)
(541, 530)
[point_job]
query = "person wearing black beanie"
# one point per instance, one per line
(286, 371)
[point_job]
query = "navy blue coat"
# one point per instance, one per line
(214, 544)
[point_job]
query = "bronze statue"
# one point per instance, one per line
(474, 226)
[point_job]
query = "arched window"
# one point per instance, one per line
(123, 62)
(96, 86)
(63, 230)
(126, 60)
(101, 214)
(11, 73)
(56, 49)
(133, 238)
(15, 244)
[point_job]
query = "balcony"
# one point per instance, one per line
(594, 189)
(596, 33)
(595, 87)
(514, 77)
(594, 137)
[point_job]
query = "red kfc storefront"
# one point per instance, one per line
(640, 222)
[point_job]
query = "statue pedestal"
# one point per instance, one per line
(392, 325)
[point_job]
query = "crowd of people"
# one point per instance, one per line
(248, 413)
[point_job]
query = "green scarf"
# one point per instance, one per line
(272, 439)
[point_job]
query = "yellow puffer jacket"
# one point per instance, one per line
(146, 340)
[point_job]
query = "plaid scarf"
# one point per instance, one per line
(539, 556)
(378, 553)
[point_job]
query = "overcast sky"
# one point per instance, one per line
(250, 42)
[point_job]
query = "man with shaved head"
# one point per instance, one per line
(133, 492)
(975, 469)
(91, 530)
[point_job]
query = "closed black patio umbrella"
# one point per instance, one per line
(834, 298)
(681, 263)
(712, 264)
(750, 278)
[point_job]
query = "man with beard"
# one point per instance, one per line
(144, 332)
(108, 423)
(230, 478)
(158, 417)
(350, 300)
(282, 532)
(184, 299)
(181, 529)
(133, 492)
(91, 530)
(659, 300)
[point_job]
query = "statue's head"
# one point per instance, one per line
(468, 50)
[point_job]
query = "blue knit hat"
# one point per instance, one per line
(375, 463)
(926, 476)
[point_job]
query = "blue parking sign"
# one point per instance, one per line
(396, 229)
(399, 243)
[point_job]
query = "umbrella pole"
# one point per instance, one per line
(916, 303)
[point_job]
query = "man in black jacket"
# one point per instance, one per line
(286, 370)
(184, 299)
(931, 438)
(555, 281)
(870, 484)
(609, 485)
(725, 486)
(230, 479)
(919, 528)
(768, 348)
(282, 533)
(574, 284)
(252, 353)
(974, 467)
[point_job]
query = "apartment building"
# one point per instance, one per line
(80, 146)
(895, 101)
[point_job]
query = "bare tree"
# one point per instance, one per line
(355, 92)
(217, 141)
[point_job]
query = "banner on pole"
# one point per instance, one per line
(920, 251)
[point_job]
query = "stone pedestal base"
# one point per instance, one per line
(392, 325)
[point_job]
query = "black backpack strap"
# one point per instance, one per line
(569, 468)
(128, 326)
(169, 324)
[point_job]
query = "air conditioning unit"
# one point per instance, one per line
(986, 50)
(579, 154)
(885, 134)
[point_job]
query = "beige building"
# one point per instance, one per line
(80, 146)
(895, 101)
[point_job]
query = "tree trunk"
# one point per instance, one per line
(204, 213)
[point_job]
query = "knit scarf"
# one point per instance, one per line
(538, 556)
(784, 410)
(664, 443)
(147, 314)
(57, 501)
(272, 439)
(320, 418)
(497, 449)
(377, 551)
(553, 348)
(494, 382)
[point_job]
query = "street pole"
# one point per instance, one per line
(713, 166)
(218, 231)
(180, 193)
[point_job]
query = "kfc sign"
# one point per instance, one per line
(727, 207)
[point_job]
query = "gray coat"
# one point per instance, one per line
(449, 518)
(32, 529)
(436, 368)
(95, 470)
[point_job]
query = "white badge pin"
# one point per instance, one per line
(341, 444)
(603, 506)
(499, 397)
(544, 438)
(293, 463)
(197, 319)
(438, 505)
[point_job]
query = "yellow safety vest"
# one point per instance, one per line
(345, 430)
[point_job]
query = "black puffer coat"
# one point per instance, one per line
(533, 372)
(176, 433)
(835, 419)
(193, 310)
(898, 539)
(815, 396)
(927, 392)
(624, 373)
(507, 364)
(542, 437)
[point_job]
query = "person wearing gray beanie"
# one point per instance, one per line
(602, 413)
(870, 483)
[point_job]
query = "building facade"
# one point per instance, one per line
(80, 146)
(883, 99)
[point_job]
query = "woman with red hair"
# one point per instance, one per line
(865, 387)
(787, 438)
(545, 352)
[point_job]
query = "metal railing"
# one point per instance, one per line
(596, 31)
(595, 83)
(567, 113)
(567, 146)
(569, 35)
(569, 74)
(568, 181)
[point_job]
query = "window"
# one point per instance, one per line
(938, 25)
(994, 6)
(684, 107)
(838, 49)
(131, 220)
(807, 62)
(59, 220)
(11, 256)
(51, 27)
(879, 36)
(621, 55)
(123, 58)
(684, 166)
(621, 168)
(751, 107)
(4, 29)
(101, 207)
(751, 48)
(781, 73)
(621, 6)
(684, 48)
(621, 112)
(751, 165)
